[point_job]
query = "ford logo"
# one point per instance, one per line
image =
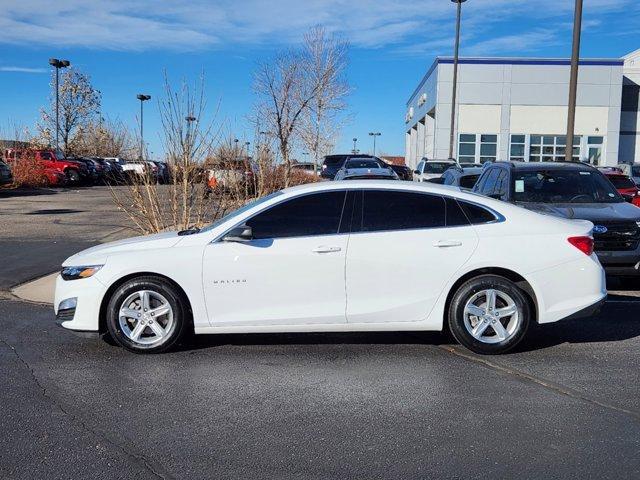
(600, 229)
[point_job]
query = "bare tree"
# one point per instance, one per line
(324, 60)
(105, 138)
(79, 104)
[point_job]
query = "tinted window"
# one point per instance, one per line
(308, 215)
(564, 186)
(455, 215)
(361, 163)
(620, 181)
(334, 159)
(475, 213)
(468, 181)
(436, 167)
(389, 210)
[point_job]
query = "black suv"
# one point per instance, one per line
(574, 191)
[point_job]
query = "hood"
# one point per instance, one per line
(594, 212)
(99, 253)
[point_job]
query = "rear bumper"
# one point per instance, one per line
(589, 311)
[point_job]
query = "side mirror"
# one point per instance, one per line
(628, 197)
(417, 172)
(241, 233)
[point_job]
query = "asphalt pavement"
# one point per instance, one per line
(318, 406)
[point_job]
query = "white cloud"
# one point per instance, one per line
(23, 69)
(205, 24)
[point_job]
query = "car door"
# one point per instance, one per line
(291, 272)
(404, 248)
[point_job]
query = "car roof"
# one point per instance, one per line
(524, 166)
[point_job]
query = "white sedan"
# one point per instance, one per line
(341, 256)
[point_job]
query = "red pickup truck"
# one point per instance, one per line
(73, 172)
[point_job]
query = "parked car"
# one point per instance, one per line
(74, 172)
(6, 177)
(428, 169)
(162, 173)
(333, 163)
(625, 186)
(304, 167)
(112, 170)
(231, 174)
(365, 169)
(403, 172)
(631, 170)
(574, 191)
(250, 271)
(53, 178)
(463, 177)
(93, 175)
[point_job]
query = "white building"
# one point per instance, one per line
(516, 108)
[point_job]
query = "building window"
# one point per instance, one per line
(550, 148)
(594, 150)
(477, 148)
(518, 148)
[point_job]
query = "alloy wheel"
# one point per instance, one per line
(491, 316)
(146, 317)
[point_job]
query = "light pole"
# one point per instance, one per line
(190, 119)
(573, 81)
(455, 75)
(355, 141)
(58, 64)
(143, 98)
(374, 135)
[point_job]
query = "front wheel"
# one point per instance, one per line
(73, 176)
(489, 314)
(146, 315)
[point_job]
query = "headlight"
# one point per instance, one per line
(74, 273)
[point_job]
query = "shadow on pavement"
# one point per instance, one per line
(26, 192)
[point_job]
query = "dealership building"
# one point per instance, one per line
(516, 108)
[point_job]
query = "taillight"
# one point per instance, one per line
(584, 244)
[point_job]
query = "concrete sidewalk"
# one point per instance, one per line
(41, 290)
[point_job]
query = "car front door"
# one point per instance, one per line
(404, 248)
(291, 272)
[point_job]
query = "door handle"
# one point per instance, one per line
(326, 249)
(447, 243)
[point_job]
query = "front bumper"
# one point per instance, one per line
(620, 263)
(88, 293)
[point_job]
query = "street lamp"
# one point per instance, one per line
(374, 135)
(573, 81)
(58, 64)
(142, 98)
(455, 74)
(355, 140)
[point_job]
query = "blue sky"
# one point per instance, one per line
(125, 45)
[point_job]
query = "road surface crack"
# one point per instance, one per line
(142, 460)
(561, 389)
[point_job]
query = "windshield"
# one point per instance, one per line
(563, 186)
(436, 167)
(240, 211)
(635, 170)
(620, 181)
(362, 163)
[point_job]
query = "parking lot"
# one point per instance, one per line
(564, 404)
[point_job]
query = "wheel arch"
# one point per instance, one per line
(515, 277)
(102, 317)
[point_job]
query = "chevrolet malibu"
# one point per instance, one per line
(341, 257)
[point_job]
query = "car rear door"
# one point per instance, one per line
(291, 273)
(404, 248)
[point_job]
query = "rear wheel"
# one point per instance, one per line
(146, 315)
(73, 176)
(489, 314)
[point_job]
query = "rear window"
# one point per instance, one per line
(334, 159)
(361, 163)
(468, 181)
(436, 167)
(621, 181)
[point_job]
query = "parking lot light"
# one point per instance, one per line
(355, 141)
(143, 98)
(374, 135)
(573, 81)
(455, 75)
(58, 64)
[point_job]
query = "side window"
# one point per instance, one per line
(391, 210)
(308, 215)
(475, 213)
(455, 215)
(419, 166)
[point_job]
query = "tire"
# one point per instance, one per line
(142, 332)
(499, 325)
(73, 176)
